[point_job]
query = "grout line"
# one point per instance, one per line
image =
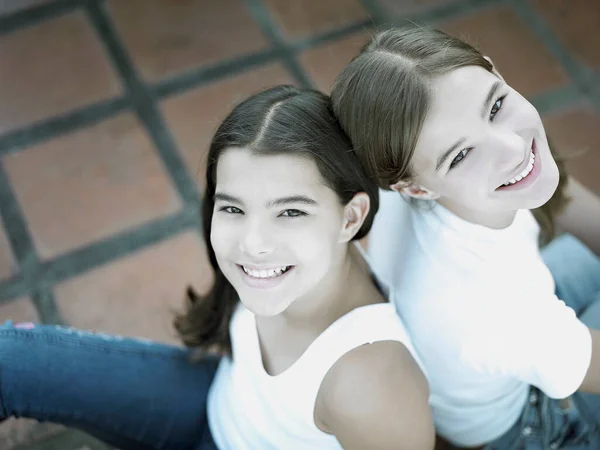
(17, 140)
(271, 31)
(375, 11)
(144, 103)
(21, 19)
(203, 75)
(578, 73)
(433, 14)
(96, 254)
(455, 10)
(595, 92)
(210, 73)
(557, 99)
(45, 304)
(23, 248)
(330, 35)
(14, 223)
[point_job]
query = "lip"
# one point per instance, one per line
(529, 179)
(264, 283)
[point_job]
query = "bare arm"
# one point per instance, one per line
(581, 217)
(376, 397)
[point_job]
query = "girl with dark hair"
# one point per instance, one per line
(311, 353)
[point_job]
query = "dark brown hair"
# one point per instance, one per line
(382, 98)
(280, 120)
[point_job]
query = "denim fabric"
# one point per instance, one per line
(573, 423)
(130, 393)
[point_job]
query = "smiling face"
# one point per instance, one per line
(483, 151)
(276, 228)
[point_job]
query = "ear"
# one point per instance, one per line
(355, 213)
(414, 190)
(494, 70)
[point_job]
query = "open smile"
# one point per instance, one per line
(264, 277)
(527, 174)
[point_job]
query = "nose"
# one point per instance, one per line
(510, 147)
(257, 239)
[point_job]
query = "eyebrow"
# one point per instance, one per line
(448, 152)
(490, 97)
(277, 202)
(484, 109)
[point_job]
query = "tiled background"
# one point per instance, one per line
(107, 106)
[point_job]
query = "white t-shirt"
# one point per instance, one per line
(480, 308)
(248, 409)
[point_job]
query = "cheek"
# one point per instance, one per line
(314, 244)
(221, 236)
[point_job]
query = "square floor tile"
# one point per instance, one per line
(11, 6)
(576, 24)
(137, 295)
(576, 131)
(51, 68)
(8, 265)
(400, 9)
(165, 36)
(520, 57)
(18, 310)
(194, 116)
(325, 62)
(301, 18)
(90, 184)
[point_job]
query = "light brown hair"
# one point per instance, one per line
(382, 98)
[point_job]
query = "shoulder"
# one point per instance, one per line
(376, 396)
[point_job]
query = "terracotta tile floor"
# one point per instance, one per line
(107, 107)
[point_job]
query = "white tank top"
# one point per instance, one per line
(248, 409)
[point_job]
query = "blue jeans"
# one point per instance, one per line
(573, 424)
(129, 393)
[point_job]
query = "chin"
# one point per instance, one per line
(264, 306)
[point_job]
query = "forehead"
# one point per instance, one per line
(241, 170)
(455, 108)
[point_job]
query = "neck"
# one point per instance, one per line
(498, 220)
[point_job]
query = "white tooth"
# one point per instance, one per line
(265, 273)
(519, 177)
